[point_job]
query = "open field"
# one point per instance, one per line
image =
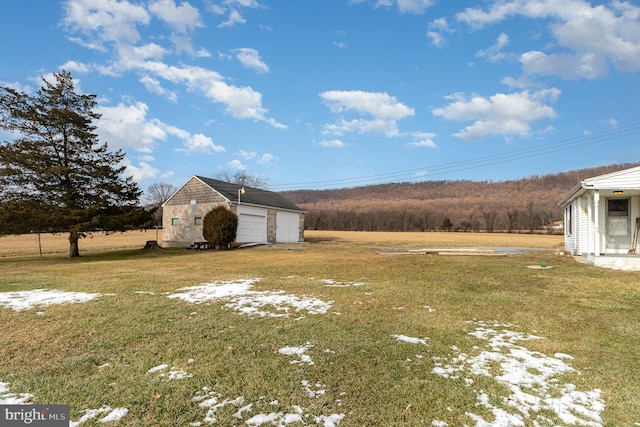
(328, 332)
(56, 244)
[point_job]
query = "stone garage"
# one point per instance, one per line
(263, 216)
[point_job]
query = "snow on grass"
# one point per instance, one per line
(537, 393)
(298, 351)
(112, 415)
(26, 300)
(173, 374)
(411, 340)
(335, 284)
(214, 402)
(7, 398)
(243, 299)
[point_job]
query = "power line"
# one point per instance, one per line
(474, 163)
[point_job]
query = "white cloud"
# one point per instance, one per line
(407, 6)
(436, 39)
(154, 86)
(75, 67)
(501, 114)
(590, 66)
(414, 6)
(108, 20)
(384, 109)
(377, 104)
(260, 159)
(332, 143)
(142, 172)
(247, 155)
(234, 18)
(423, 139)
(116, 22)
(240, 102)
(201, 144)
(237, 165)
(494, 53)
(250, 58)
(589, 38)
(130, 57)
(181, 18)
(126, 126)
(266, 158)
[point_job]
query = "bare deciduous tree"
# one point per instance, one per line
(158, 193)
(242, 178)
(155, 196)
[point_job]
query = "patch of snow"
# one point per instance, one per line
(335, 284)
(329, 421)
(26, 300)
(173, 374)
(319, 391)
(7, 398)
(563, 356)
(436, 423)
(113, 415)
(212, 401)
(158, 368)
(241, 298)
(411, 340)
(531, 377)
(298, 351)
(178, 374)
(258, 420)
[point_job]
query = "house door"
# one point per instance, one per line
(618, 230)
(252, 225)
(287, 227)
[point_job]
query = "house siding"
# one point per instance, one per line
(187, 231)
(180, 209)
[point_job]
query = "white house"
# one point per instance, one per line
(602, 219)
(263, 216)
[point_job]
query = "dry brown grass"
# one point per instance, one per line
(545, 241)
(58, 244)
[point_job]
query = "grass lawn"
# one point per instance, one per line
(345, 329)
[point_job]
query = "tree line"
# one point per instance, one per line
(524, 205)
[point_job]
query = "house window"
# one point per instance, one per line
(568, 220)
(197, 220)
(175, 221)
(618, 207)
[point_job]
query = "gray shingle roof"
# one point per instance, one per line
(252, 196)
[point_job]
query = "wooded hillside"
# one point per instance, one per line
(523, 205)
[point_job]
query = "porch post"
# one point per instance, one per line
(596, 219)
(590, 231)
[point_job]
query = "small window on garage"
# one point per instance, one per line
(197, 220)
(175, 221)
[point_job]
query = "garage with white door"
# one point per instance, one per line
(263, 216)
(252, 225)
(287, 227)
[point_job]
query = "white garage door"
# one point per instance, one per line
(287, 227)
(252, 225)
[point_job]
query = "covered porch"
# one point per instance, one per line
(602, 220)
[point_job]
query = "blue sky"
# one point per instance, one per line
(341, 93)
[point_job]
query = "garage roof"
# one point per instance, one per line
(251, 196)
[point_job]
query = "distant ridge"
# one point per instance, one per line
(527, 204)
